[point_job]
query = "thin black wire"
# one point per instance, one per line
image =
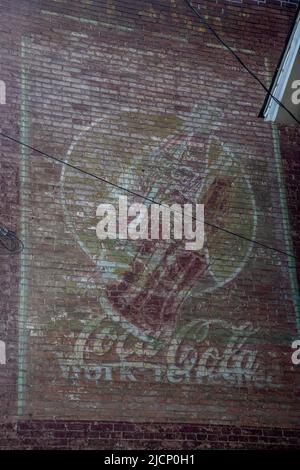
(240, 60)
(16, 244)
(58, 160)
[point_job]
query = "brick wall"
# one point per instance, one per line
(134, 334)
(143, 436)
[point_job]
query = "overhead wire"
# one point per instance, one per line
(134, 193)
(14, 245)
(237, 57)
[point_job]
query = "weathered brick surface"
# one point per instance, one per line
(145, 436)
(290, 162)
(141, 94)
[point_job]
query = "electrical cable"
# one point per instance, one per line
(240, 60)
(129, 191)
(16, 245)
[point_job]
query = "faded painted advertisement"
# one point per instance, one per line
(144, 329)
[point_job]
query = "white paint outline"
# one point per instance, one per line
(144, 335)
